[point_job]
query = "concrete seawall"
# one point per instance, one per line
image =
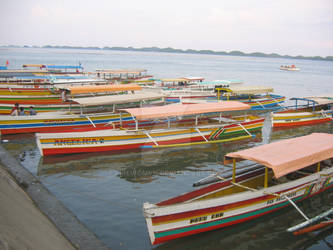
(32, 218)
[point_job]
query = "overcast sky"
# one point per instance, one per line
(293, 27)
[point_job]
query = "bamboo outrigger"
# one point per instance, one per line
(291, 170)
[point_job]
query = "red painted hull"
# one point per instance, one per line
(302, 123)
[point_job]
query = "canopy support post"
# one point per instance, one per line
(234, 170)
(318, 167)
(266, 178)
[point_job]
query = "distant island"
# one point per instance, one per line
(188, 51)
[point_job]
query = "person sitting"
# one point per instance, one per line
(21, 112)
(32, 111)
(15, 110)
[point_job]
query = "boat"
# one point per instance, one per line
(78, 116)
(94, 98)
(257, 96)
(277, 175)
(318, 109)
(158, 127)
(122, 75)
(289, 68)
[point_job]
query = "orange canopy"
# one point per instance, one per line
(103, 88)
(289, 155)
(185, 109)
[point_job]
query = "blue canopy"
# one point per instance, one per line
(63, 67)
(3, 68)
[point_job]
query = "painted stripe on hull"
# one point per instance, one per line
(300, 123)
(167, 235)
(185, 138)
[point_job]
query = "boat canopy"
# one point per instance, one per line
(185, 109)
(103, 88)
(221, 82)
(121, 71)
(173, 80)
(33, 66)
(63, 67)
(290, 155)
(117, 99)
(194, 78)
(239, 90)
(321, 100)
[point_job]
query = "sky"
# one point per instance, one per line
(294, 27)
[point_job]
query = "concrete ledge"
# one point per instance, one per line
(64, 220)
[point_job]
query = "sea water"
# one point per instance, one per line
(106, 190)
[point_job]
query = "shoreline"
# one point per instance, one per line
(33, 218)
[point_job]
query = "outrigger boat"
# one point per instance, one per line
(317, 110)
(78, 116)
(281, 173)
(160, 126)
(258, 97)
(94, 98)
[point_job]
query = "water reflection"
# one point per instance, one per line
(142, 166)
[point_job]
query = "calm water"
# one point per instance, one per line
(106, 191)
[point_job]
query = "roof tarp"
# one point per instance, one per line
(33, 65)
(290, 155)
(221, 82)
(185, 109)
(321, 100)
(63, 67)
(250, 89)
(121, 71)
(173, 80)
(117, 99)
(103, 88)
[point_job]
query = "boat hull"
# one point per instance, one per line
(56, 122)
(117, 139)
(294, 119)
(168, 222)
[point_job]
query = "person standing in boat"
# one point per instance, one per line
(15, 110)
(32, 111)
(21, 112)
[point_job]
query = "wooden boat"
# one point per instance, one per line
(317, 110)
(289, 68)
(160, 132)
(123, 75)
(78, 115)
(283, 173)
(257, 97)
(100, 97)
(57, 122)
